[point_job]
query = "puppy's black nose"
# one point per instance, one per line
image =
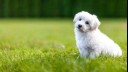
(79, 26)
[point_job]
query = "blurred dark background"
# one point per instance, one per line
(61, 8)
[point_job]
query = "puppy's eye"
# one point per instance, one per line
(86, 22)
(80, 19)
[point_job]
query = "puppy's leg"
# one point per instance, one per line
(112, 50)
(83, 52)
(92, 55)
(115, 50)
(95, 53)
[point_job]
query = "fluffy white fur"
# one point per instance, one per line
(89, 40)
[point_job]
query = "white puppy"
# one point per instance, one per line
(89, 40)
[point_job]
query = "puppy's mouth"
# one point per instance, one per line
(80, 29)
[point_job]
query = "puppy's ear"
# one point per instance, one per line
(95, 23)
(74, 18)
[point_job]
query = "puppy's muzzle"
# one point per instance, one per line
(79, 26)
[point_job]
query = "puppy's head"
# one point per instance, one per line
(85, 21)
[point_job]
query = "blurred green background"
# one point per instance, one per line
(61, 8)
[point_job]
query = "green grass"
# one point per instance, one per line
(48, 45)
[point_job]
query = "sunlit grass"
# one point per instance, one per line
(47, 45)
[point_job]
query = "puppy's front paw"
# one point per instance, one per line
(94, 54)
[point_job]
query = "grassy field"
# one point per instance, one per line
(48, 45)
